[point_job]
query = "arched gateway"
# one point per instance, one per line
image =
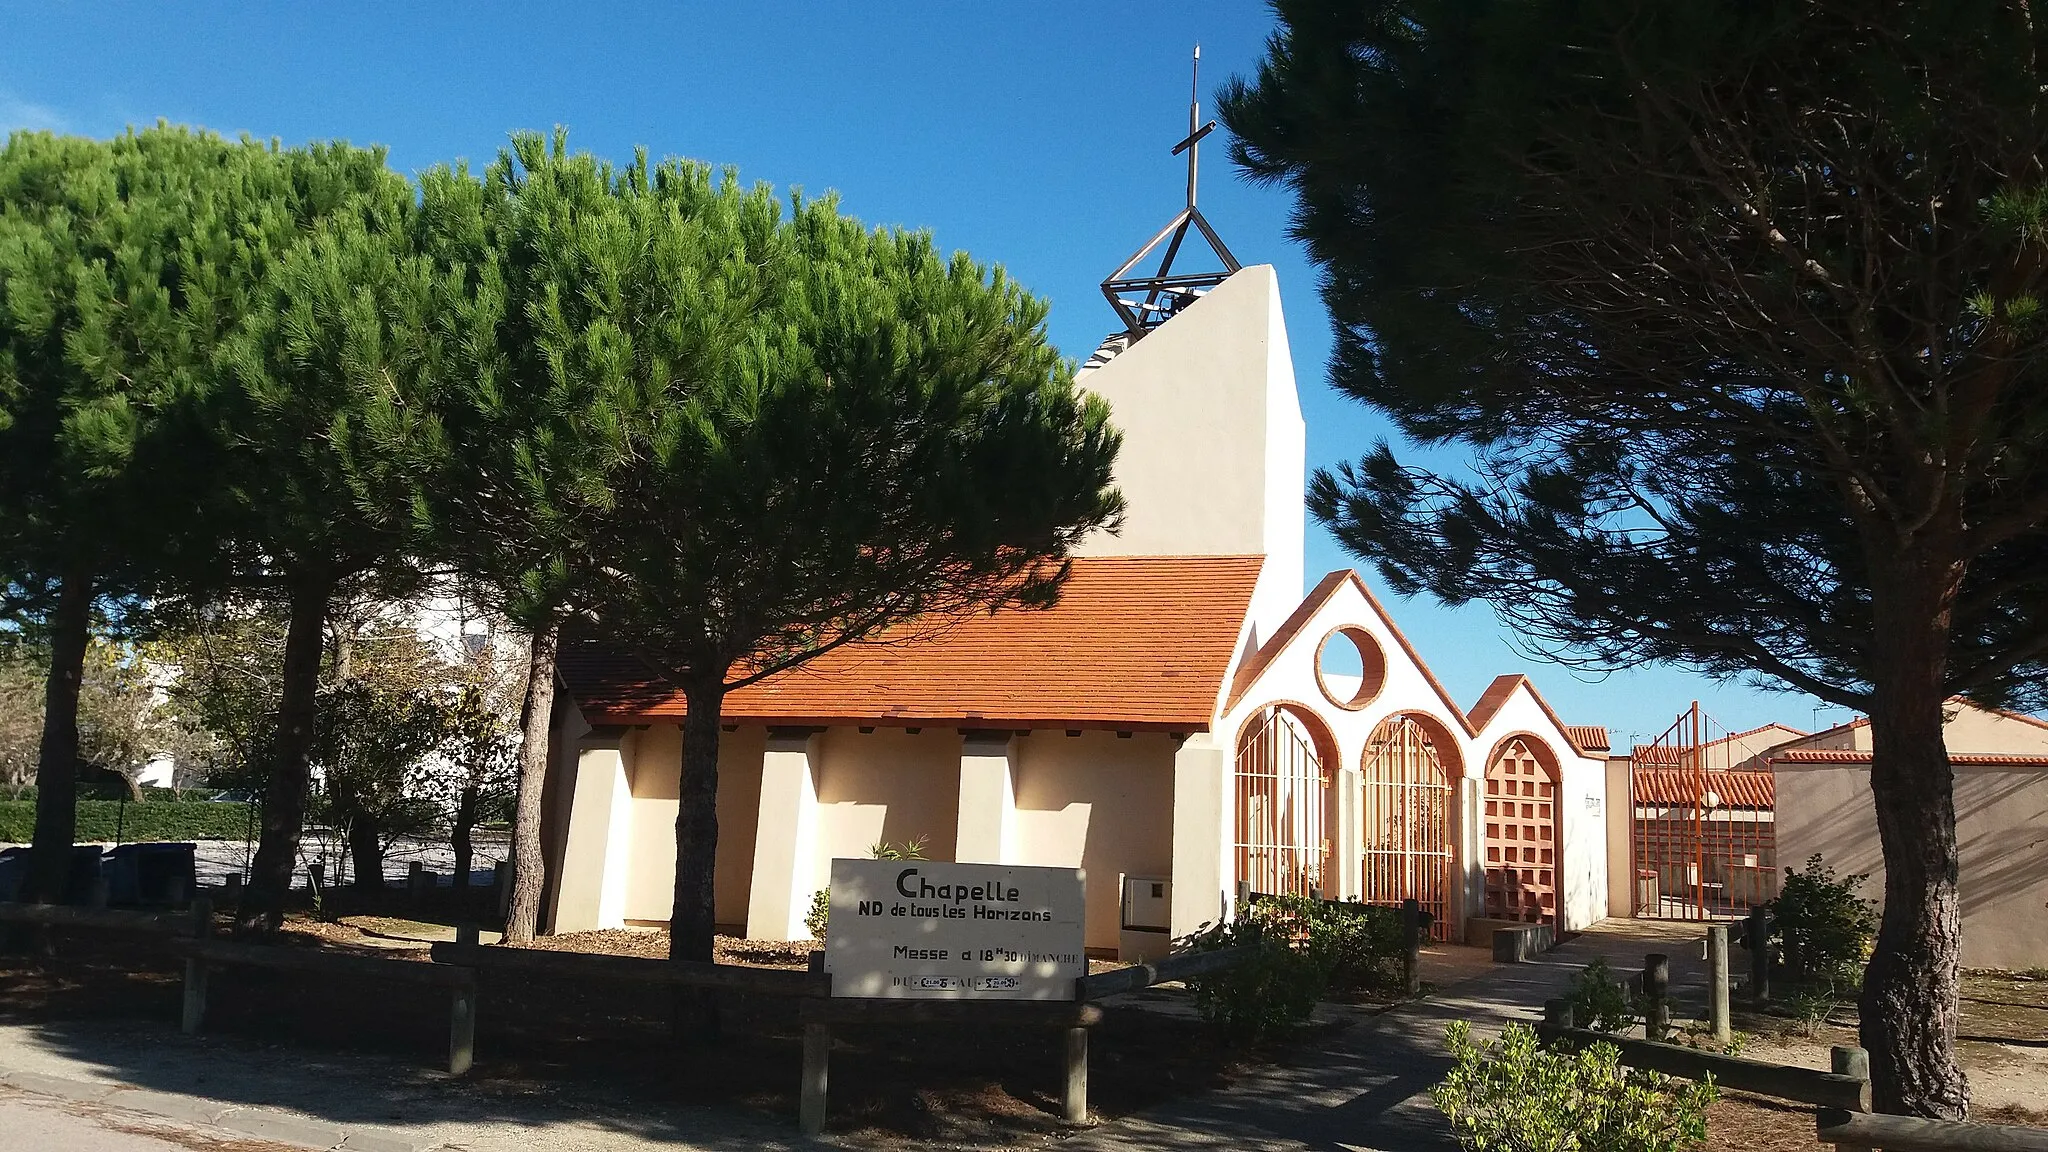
(1406, 820)
(1282, 839)
(1521, 835)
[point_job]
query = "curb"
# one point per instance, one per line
(257, 1123)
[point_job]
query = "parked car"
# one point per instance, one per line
(235, 796)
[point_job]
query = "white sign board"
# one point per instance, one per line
(911, 929)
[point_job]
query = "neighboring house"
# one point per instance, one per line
(1183, 722)
(2000, 761)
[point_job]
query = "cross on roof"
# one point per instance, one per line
(1146, 301)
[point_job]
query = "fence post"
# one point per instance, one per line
(1717, 991)
(501, 886)
(1411, 946)
(1075, 1098)
(316, 876)
(462, 1027)
(817, 1066)
(1844, 1061)
(468, 935)
(1656, 996)
(231, 888)
(1557, 1013)
(195, 969)
(1759, 955)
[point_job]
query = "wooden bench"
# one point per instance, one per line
(203, 955)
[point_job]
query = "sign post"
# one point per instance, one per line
(922, 929)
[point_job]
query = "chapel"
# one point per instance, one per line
(1192, 723)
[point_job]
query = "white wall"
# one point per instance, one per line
(1213, 459)
(1099, 803)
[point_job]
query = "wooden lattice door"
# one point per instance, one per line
(1406, 822)
(1282, 837)
(1521, 837)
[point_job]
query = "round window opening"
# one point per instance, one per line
(1350, 668)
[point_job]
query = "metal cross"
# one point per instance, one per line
(1145, 302)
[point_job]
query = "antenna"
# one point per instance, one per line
(1145, 302)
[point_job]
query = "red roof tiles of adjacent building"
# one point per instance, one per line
(1856, 756)
(1134, 643)
(1589, 737)
(1678, 788)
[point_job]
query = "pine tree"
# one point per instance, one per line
(109, 262)
(1738, 307)
(529, 420)
(311, 423)
(836, 431)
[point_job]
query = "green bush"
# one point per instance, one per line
(1513, 1095)
(1358, 945)
(820, 912)
(99, 820)
(1600, 1000)
(1276, 987)
(1822, 928)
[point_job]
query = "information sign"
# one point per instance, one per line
(911, 929)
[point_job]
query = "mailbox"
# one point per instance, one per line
(1146, 918)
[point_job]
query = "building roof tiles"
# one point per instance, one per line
(1133, 643)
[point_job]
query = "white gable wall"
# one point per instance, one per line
(1581, 804)
(1213, 459)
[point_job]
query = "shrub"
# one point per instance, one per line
(101, 820)
(1823, 929)
(1600, 1000)
(1513, 1095)
(1275, 988)
(912, 849)
(1358, 945)
(820, 912)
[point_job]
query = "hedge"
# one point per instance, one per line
(150, 820)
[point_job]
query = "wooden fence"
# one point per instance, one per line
(1840, 1096)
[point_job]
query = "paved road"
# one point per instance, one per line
(1368, 1089)
(49, 1124)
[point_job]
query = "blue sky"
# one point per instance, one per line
(1034, 135)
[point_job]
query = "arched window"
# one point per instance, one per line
(1406, 821)
(1282, 836)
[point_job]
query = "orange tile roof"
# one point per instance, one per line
(1589, 737)
(1680, 788)
(1134, 643)
(1854, 756)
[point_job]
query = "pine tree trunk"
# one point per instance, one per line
(459, 835)
(57, 756)
(366, 852)
(691, 923)
(529, 869)
(1909, 1005)
(284, 798)
(691, 926)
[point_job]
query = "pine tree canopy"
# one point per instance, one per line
(1739, 308)
(1728, 301)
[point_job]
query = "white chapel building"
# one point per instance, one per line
(1170, 727)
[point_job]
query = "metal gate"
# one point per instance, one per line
(1406, 821)
(1521, 837)
(1282, 841)
(1703, 823)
